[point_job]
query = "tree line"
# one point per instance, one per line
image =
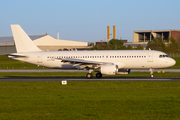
(169, 46)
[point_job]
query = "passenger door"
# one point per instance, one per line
(150, 56)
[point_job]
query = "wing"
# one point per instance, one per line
(83, 63)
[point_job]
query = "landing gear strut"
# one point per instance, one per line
(89, 75)
(98, 75)
(151, 72)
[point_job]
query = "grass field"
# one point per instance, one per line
(7, 63)
(106, 100)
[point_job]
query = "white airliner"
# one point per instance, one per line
(108, 62)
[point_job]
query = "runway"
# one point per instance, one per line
(85, 79)
(75, 70)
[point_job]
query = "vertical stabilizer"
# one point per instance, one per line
(22, 41)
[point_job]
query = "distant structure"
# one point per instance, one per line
(114, 32)
(143, 37)
(146, 36)
(108, 32)
(44, 42)
(106, 42)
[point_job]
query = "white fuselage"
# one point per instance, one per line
(125, 59)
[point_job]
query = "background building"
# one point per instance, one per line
(44, 42)
(146, 36)
(143, 37)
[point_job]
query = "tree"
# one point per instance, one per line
(174, 46)
(115, 44)
(157, 44)
(178, 39)
(140, 47)
(129, 47)
(101, 47)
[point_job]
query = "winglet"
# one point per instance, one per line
(23, 42)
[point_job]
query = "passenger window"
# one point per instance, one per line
(160, 56)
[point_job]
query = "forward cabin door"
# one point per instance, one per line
(150, 56)
(39, 58)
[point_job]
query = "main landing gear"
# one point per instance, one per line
(90, 75)
(99, 75)
(151, 72)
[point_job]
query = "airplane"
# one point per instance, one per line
(104, 62)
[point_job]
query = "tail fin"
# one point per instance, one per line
(23, 42)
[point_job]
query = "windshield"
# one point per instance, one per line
(163, 56)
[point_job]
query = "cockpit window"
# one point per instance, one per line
(162, 56)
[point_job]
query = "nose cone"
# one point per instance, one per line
(172, 62)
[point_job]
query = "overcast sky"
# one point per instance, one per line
(87, 20)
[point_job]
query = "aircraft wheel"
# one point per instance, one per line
(151, 76)
(98, 75)
(89, 75)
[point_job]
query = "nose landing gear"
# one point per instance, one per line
(151, 72)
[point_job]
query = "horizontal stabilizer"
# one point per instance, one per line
(17, 56)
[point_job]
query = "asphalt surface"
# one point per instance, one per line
(85, 79)
(75, 70)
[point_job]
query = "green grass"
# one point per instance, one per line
(83, 74)
(106, 100)
(7, 63)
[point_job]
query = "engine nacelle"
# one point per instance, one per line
(109, 69)
(124, 71)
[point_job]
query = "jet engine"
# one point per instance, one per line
(108, 69)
